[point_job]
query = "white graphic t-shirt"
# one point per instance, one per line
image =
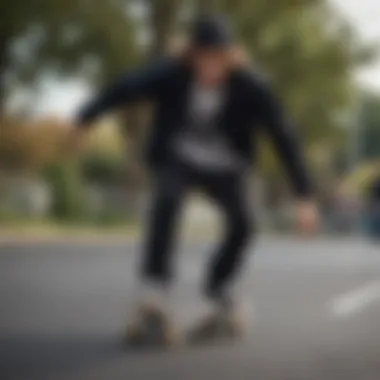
(199, 142)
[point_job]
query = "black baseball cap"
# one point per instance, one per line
(211, 31)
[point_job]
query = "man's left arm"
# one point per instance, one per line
(289, 148)
(286, 141)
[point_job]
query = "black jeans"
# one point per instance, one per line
(228, 191)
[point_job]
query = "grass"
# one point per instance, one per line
(48, 228)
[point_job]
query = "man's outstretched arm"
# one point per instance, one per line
(135, 85)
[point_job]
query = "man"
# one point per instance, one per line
(209, 111)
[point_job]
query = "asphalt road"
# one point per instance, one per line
(315, 315)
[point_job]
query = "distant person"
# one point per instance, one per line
(374, 205)
(210, 109)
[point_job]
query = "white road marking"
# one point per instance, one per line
(355, 301)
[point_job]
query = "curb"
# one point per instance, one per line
(93, 237)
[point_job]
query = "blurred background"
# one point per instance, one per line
(321, 55)
(65, 302)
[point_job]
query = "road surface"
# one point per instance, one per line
(315, 313)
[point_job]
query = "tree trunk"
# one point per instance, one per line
(3, 66)
(163, 18)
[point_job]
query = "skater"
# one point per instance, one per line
(210, 108)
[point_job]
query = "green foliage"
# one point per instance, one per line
(67, 188)
(65, 36)
(111, 217)
(358, 181)
(370, 127)
(309, 53)
(71, 197)
(103, 168)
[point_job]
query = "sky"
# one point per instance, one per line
(63, 98)
(364, 16)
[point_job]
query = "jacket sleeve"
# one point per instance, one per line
(134, 85)
(285, 139)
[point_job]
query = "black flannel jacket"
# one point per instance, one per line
(250, 108)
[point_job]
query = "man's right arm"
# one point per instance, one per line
(135, 85)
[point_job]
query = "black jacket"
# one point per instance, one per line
(250, 108)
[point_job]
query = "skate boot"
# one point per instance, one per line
(220, 325)
(150, 327)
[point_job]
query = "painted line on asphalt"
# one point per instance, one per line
(352, 303)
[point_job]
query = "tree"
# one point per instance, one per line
(309, 53)
(207, 6)
(162, 19)
(164, 14)
(64, 36)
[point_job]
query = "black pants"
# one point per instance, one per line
(228, 191)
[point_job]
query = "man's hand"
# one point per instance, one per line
(308, 217)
